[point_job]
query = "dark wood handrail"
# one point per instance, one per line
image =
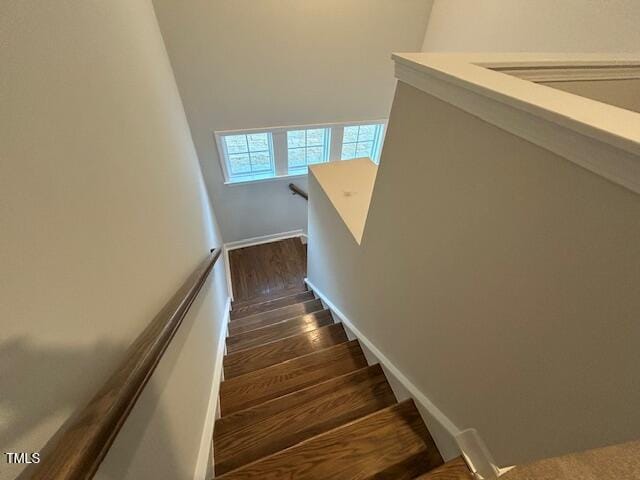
(77, 449)
(298, 191)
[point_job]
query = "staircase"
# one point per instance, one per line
(300, 401)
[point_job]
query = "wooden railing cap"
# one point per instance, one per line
(77, 449)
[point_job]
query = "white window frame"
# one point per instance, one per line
(279, 147)
(326, 147)
(377, 142)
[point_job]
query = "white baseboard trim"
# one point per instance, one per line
(444, 431)
(477, 455)
(204, 453)
(416, 394)
(227, 271)
(249, 242)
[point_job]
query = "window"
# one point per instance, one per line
(262, 154)
(249, 155)
(361, 141)
(306, 147)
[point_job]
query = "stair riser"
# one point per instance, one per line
(244, 311)
(271, 295)
(246, 361)
(392, 444)
(254, 388)
(264, 319)
(278, 331)
(286, 421)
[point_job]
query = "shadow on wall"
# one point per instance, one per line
(145, 437)
(48, 388)
(39, 386)
(161, 436)
(50, 391)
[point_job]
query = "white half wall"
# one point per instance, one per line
(533, 26)
(249, 64)
(104, 214)
(499, 278)
(619, 93)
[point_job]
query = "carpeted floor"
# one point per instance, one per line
(617, 462)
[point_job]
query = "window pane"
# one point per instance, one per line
(240, 163)
(307, 147)
(248, 155)
(367, 133)
(348, 151)
(260, 162)
(296, 158)
(364, 149)
(350, 134)
(315, 137)
(315, 155)
(236, 143)
(362, 141)
(258, 142)
(295, 139)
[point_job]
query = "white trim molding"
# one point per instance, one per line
(204, 452)
(278, 150)
(250, 242)
(571, 74)
(475, 457)
(599, 137)
(227, 271)
(416, 394)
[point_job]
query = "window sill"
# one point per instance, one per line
(232, 183)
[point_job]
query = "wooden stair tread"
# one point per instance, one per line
(258, 320)
(283, 378)
(255, 358)
(392, 443)
(285, 421)
(455, 469)
(277, 331)
(240, 311)
(270, 295)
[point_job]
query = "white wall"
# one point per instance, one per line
(499, 278)
(534, 26)
(246, 63)
(103, 214)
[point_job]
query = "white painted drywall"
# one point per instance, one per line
(103, 214)
(499, 278)
(246, 63)
(534, 26)
(348, 185)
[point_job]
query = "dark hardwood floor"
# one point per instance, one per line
(268, 271)
(299, 399)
